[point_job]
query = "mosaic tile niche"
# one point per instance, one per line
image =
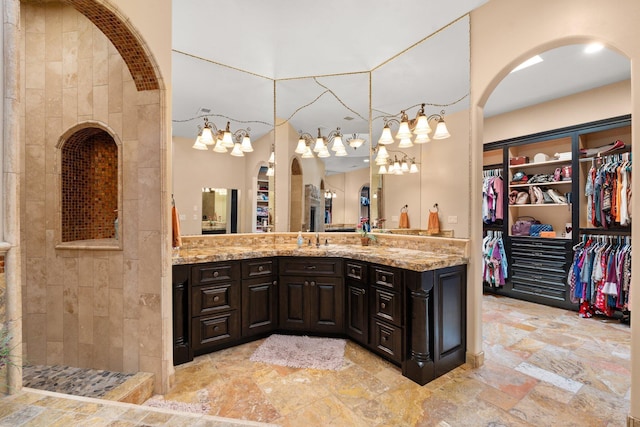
(89, 186)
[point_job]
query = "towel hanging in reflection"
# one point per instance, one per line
(433, 224)
(175, 223)
(404, 217)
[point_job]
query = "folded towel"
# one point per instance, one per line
(175, 223)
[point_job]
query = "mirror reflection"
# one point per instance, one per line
(219, 210)
(324, 127)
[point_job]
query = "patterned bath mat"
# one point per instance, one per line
(301, 352)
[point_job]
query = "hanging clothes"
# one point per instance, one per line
(600, 275)
(492, 194)
(608, 191)
(495, 268)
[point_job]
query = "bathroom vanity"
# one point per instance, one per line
(407, 305)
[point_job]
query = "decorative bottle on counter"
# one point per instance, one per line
(300, 240)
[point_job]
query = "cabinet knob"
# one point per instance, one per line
(313, 283)
(383, 278)
(261, 268)
(275, 283)
(353, 271)
(306, 283)
(385, 338)
(215, 328)
(216, 274)
(310, 267)
(383, 305)
(216, 298)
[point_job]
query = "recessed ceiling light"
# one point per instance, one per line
(366, 160)
(593, 48)
(528, 63)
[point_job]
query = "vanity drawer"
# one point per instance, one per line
(356, 271)
(311, 266)
(204, 274)
(258, 268)
(386, 339)
(215, 330)
(386, 277)
(387, 306)
(211, 299)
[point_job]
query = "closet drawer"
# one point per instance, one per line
(539, 285)
(534, 266)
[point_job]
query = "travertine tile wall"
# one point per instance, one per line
(89, 308)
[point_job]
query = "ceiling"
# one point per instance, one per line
(227, 55)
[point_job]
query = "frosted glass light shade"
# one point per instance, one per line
(422, 125)
(199, 145)
(246, 146)
(404, 167)
(403, 131)
(356, 142)
(441, 130)
(308, 154)
(320, 145)
(270, 171)
(301, 147)
(324, 152)
(341, 152)
(207, 136)
(382, 170)
(219, 148)
(413, 168)
(383, 154)
(405, 143)
(237, 150)
(421, 139)
(338, 145)
(386, 137)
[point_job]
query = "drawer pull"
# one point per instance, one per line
(216, 274)
(310, 267)
(261, 268)
(383, 278)
(216, 298)
(275, 283)
(383, 305)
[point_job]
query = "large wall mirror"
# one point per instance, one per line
(335, 108)
(244, 100)
(434, 72)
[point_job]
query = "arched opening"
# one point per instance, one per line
(89, 186)
(296, 195)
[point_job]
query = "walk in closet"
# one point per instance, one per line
(557, 220)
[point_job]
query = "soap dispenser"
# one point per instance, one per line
(300, 240)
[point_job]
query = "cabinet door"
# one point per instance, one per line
(182, 352)
(293, 302)
(357, 313)
(450, 286)
(259, 305)
(326, 302)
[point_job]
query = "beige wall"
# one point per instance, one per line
(608, 101)
(346, 207)
(533, 29)
(91, 308)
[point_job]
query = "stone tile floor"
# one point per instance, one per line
(76, 381)
(543, 367)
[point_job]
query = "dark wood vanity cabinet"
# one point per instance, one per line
(259, 296)
(416, 320)
(311, 295)
(357, 301)
(387, 311)
(215, 305)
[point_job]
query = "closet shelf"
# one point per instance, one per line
(532, 165)
(539, 205)
(541, 184)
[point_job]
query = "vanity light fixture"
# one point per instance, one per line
(328, 194)
(419, 126)
(321, 146)
(272, 162)
(397, 167)
(221, 140)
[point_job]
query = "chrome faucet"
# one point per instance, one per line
(317, 240)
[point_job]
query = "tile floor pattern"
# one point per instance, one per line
(76, 381)
(543, 367)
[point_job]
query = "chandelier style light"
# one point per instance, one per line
(321, 144)
(418, 127)
(221, 140)
(387, 166)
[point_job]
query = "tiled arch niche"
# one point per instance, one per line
(89, 185)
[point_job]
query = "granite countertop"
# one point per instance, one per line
(410, 259)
